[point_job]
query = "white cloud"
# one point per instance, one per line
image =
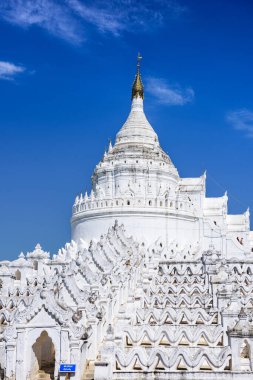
(9, 70)
(117, 15)
(55, 17)
(168, 94)
(102, 18)
(69, 19)
(242, 120)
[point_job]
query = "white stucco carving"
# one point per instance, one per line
(156, 282)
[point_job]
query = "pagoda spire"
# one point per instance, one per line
(138, 88)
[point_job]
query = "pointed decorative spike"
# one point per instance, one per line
(128, 341)
(160, 366)
(117, 366)
(199, 321)
(110, 147)
(205, 366)
(183, 341)
(137, 365)
(181, 365)
(164, 341)
(145, 341)
(202, 341)
(138, 88)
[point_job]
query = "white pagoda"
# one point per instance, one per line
(156, 283)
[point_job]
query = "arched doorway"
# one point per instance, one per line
(245, 356)
(18, 275)
(43, 352)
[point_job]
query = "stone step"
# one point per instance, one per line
(89, 371)
(42, 375)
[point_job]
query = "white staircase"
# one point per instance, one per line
(89, 371)
(44, 375)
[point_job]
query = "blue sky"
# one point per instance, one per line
(66, 70)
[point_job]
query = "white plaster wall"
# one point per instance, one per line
(143, 226)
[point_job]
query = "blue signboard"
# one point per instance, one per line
(67, 368)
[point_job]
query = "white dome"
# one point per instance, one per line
(137, 129)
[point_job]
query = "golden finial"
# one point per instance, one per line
(138, 89)
(139, 57)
